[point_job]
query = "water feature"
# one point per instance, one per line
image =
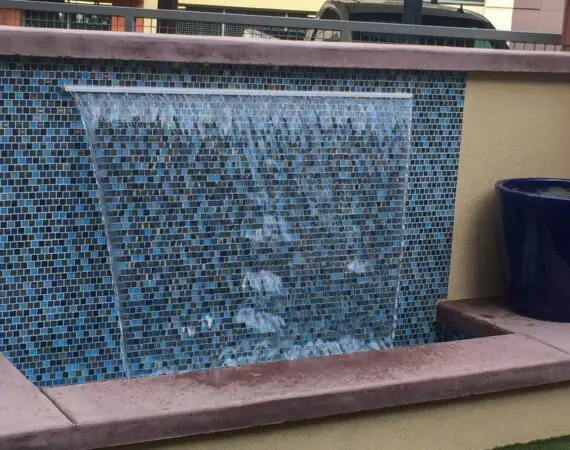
(249, 226)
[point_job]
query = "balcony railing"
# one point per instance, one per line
(115, 18)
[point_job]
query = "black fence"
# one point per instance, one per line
(263, 25)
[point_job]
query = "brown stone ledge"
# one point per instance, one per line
(270, 52)
(28, 419)
(105, 414)
(490, 317)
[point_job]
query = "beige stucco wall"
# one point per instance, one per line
(514, 125)
(475, 424)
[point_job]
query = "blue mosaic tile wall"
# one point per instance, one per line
(58, 322)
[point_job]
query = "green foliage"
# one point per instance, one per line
(561, 443)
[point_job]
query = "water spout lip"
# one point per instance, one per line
(71, 88)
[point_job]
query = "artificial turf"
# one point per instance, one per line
(561, 443)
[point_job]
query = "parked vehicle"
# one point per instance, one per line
(390, 11)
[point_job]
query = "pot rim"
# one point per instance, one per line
(502, 186)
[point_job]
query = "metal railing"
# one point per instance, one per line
(115, 18)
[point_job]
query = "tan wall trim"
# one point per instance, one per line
(514, 125)
(477, 424)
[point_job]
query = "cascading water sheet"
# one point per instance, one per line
(246, 227)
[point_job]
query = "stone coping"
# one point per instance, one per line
(270, 52)
(28, 419)
(491, 317)
(110, 413)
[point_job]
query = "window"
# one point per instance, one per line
(73, 21)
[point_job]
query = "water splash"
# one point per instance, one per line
(263, 281)
(268, 226)
(356, 266)
(260, 322)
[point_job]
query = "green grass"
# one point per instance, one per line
(561, 443)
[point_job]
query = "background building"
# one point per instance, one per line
(517, 15)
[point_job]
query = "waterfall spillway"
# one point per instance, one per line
(250, 227)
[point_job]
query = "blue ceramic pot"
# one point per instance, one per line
(535, 216)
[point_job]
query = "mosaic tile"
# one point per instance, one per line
(58, 322)
(449, 334)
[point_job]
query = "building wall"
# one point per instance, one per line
(514, 125)
(539, 16)
(479, 423)
(10, 17)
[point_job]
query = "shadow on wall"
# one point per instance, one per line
(488, 261)
(478, 264)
